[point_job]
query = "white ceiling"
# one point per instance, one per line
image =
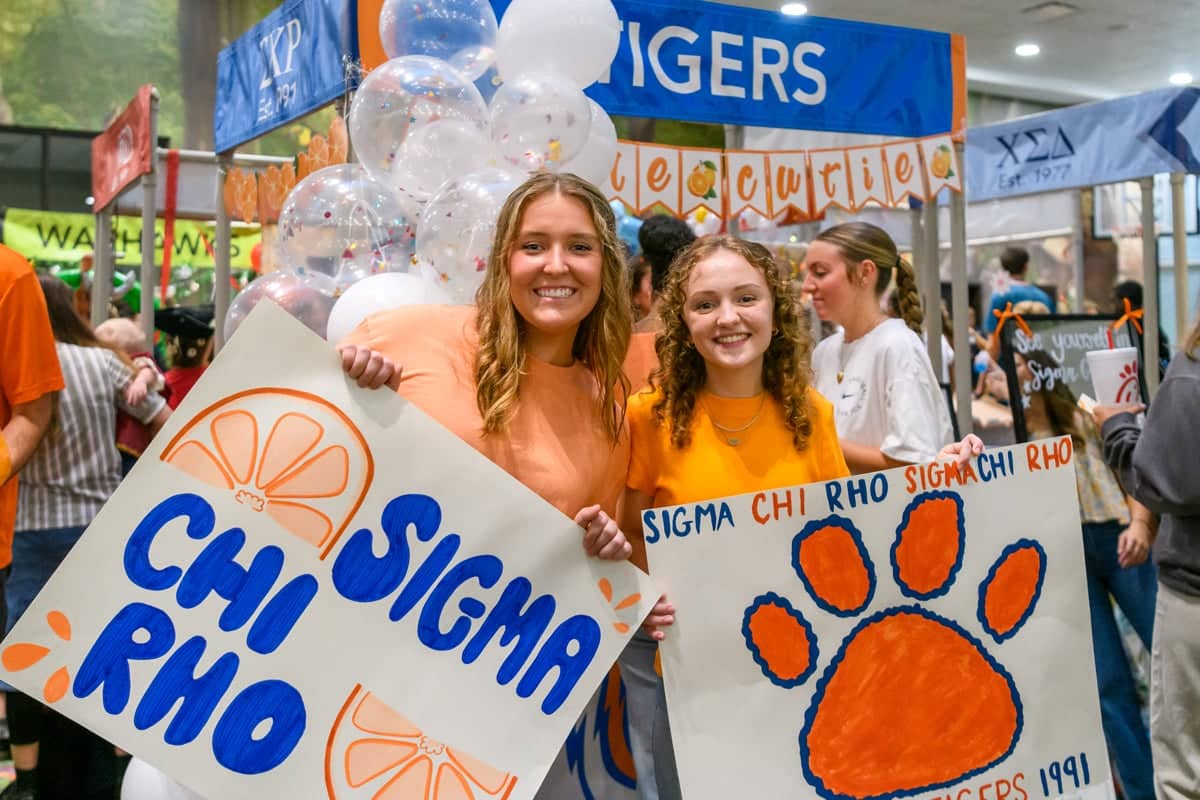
(1106, 49)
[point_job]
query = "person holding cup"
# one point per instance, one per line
(1117, 534)
(1157, 465)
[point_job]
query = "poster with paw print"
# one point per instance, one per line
(312, 591)
(922, 632)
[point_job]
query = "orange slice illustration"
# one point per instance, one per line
(374, 752)
(289, 454)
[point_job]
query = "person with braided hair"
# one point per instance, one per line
(887, 402)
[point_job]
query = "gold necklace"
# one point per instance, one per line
(734, 441)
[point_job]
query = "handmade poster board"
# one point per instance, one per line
(309, 590)
(910, 633)
(1063, 341)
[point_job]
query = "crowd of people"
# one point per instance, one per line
(610, 388)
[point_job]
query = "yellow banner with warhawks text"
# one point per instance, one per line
(64, 238)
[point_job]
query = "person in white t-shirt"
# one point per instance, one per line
(888, 406)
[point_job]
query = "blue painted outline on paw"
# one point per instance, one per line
(916, 502)
(822, 684)
(770, 598)
(1005, 554)
(835, 521)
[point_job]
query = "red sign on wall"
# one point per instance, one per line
(123, 151)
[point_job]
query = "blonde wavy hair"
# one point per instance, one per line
(862, 241)
(681, 372)
(603, 336)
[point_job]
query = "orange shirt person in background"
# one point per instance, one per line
(662, 237)
(29, 375)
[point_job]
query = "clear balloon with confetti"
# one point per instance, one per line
(539, 121)
(403, 95)
(341, 218)
(460, 32)
(456, 229)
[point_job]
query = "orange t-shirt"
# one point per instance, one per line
(28, 363)
(555, 442)
(640, 360)
(710, 467)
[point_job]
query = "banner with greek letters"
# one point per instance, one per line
(909, 633)
(309, 590)
(289, 64)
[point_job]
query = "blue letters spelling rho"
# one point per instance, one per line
(141, 632)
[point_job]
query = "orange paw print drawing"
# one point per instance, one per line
(910, 701)
(288, 454)
(23, 655)
(375, 753)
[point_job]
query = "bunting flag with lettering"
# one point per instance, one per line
(904, 168)
(749, 183)
(284, 600)
(830, 180)
(781, 185)
(868, 177)
(790, 185)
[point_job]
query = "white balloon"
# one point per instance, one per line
(539, 120)
(144, 782)
(456, 229)
(379, 293)
(577, 39)
(595, 161)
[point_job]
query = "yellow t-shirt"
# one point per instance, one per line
(555, 442)
(710, 467)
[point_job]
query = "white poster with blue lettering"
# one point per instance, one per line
(310, 590)
(922, 632)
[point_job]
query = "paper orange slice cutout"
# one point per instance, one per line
(376, 753)
(287, 453)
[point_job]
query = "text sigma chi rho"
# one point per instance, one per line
(259, 725)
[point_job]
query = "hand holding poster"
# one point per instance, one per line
(910, 633)
(308, 590)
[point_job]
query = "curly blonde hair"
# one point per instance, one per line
(681, 372)
(603, 336)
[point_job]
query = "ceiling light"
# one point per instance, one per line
(1054, 9)
(794, 9)
(1181, 78)
(1027, 50)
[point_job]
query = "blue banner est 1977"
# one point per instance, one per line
(1116, 140)
(286, 66)
(710, 62)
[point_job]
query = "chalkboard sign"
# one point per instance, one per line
(1057, 353)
